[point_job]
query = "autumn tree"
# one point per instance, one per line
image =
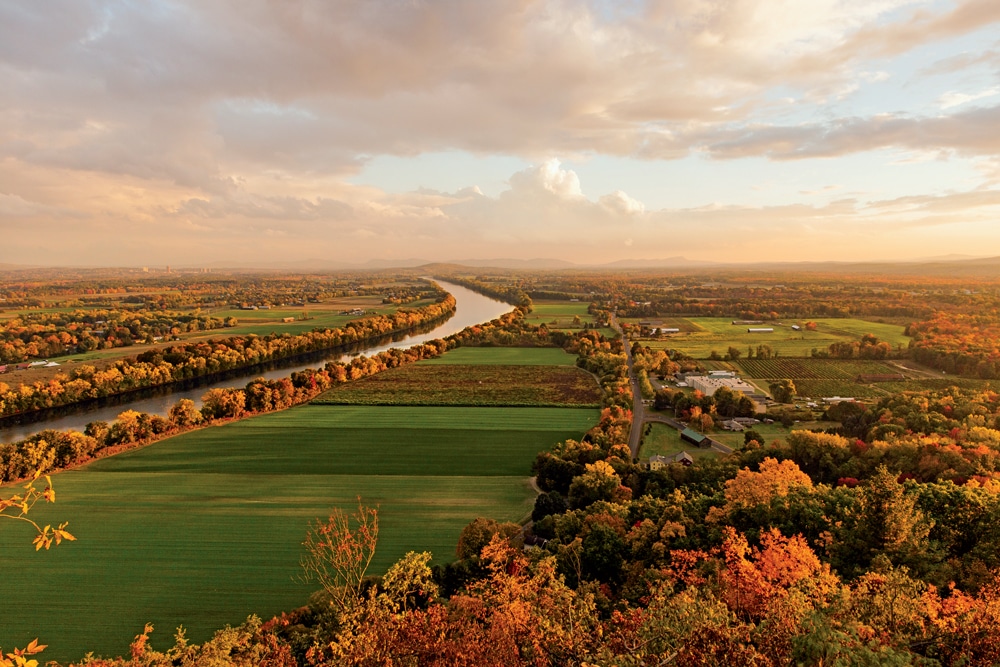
(338, 552)
(782, 391)
(184, 413)
(885, 521)
(750, 489)
(480, 532)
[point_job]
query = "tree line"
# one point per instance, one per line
(169, 365)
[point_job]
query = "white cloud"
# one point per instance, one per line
(954, 99)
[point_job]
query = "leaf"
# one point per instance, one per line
(34, 647)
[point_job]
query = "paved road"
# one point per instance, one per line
(638, 410)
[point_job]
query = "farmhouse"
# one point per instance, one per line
(760, 330)
(695, 438)
(657, 462)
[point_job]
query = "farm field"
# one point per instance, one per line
(666, 441)
(817, 378)
(559, 314)
(483, 384)
(770, 432)
(717, 334)
(205, 528)
(503, 356)
(320, 316)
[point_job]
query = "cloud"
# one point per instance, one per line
(190, 128)
(954, 99)
(967, 133)
(201, 93)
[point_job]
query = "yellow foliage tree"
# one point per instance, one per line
(750, 489)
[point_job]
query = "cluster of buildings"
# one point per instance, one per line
(9, 368)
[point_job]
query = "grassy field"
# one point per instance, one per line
(666, 441)
(504, 356)
(770, 432)
(707, 334)
(320, 316)
(560, 314)
(474, 385)
(205, 528)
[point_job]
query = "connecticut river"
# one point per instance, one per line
(470, 308)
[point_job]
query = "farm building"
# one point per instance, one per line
(657, 462)
(670, 330)
(695, 438)
(732, 425)
(722, 374)
(796, 327)
(683, 458)
(708, 385)
(745, 322)
(833, 400)
(760, 330)
(287, 319)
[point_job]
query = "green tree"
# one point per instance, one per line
(886, 522)
(782, 391)
(481, 532)
(409, 583)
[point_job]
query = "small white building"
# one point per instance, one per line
(708, 385)
(760, 330)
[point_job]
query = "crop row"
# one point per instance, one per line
(812, 369)
(470, 385)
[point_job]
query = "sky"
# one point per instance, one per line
(263, 132)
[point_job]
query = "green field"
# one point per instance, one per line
(665, 440)
(204, 528)
(560, 314)
(504, 356)
(770, 432)
(470, 385)
(708, 334)
(320, 316)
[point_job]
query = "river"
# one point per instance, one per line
(470, 308)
